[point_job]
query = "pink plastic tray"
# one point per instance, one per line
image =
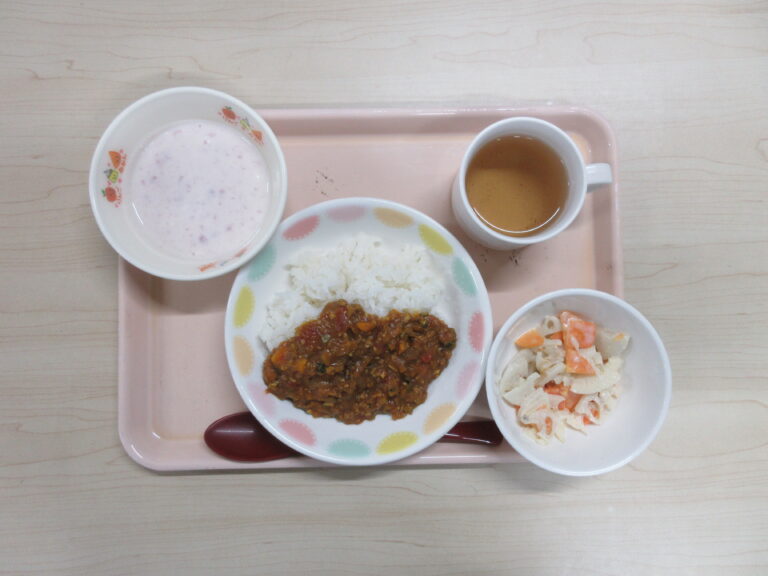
(173, 379)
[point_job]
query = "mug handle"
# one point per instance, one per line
(597, 175)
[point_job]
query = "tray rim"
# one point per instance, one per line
(422, 458)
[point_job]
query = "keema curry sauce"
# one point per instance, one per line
(352, 366)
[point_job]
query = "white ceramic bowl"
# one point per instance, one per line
(630, 427)
(125, 136)
(466, 308)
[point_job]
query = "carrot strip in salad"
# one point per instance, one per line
(575, 363)
(577, 332)
(530, 339)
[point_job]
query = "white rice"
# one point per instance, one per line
(361, 270)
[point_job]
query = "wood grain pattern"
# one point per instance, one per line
(685, 86)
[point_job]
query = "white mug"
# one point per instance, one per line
(581, 179)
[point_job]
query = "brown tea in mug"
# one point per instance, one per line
(517, 185)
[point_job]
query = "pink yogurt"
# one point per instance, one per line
(199, 190)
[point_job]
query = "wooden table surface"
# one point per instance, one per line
(685, 88)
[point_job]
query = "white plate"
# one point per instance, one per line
(466, 309)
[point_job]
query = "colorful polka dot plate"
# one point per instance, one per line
(383, 439)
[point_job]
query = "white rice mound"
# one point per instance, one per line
(360, 270)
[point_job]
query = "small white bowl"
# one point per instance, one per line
(124, 138)
(642, 407)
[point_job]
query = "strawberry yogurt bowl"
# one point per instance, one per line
(188, 183)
